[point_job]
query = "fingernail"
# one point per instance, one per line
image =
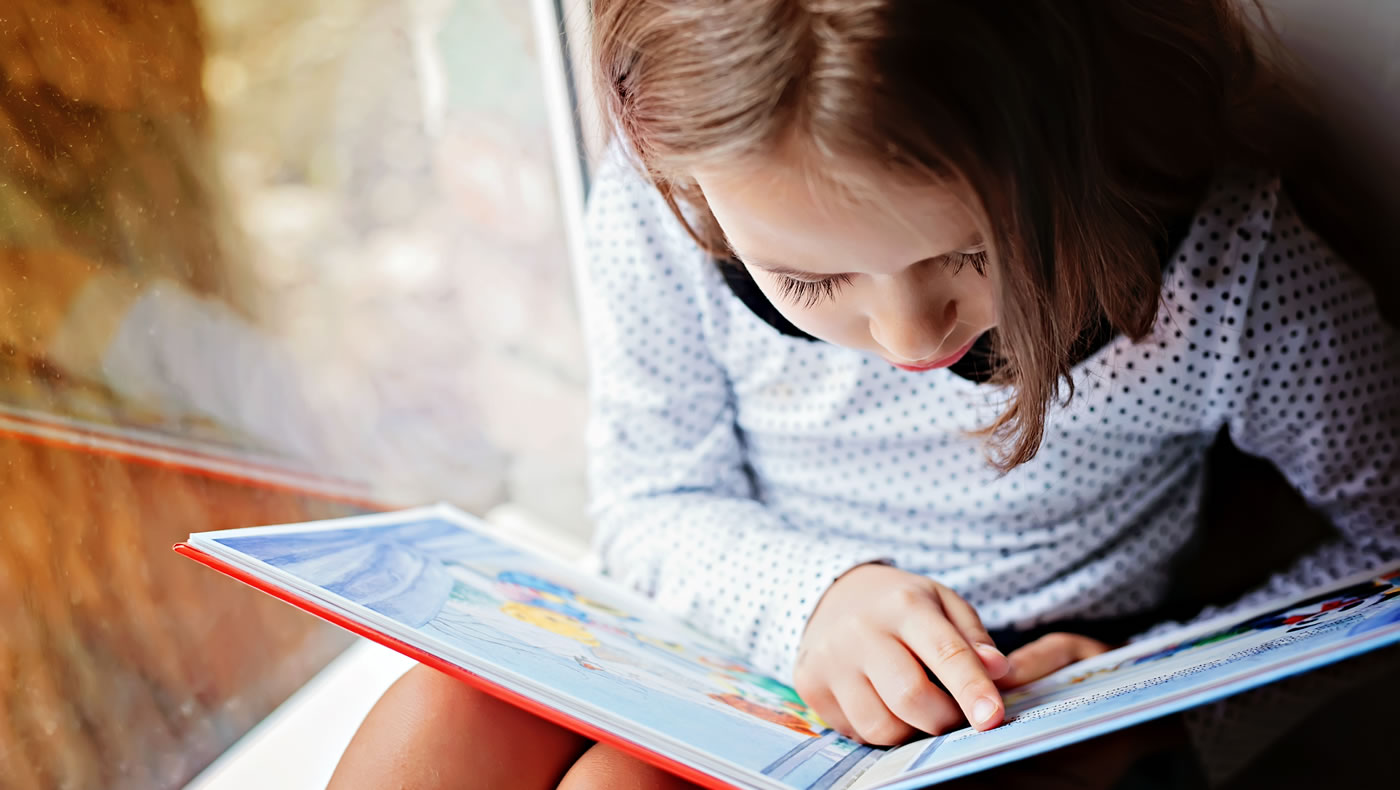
(984, 710)
(990, 649)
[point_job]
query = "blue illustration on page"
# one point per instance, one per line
(575, 635)
(567, 632)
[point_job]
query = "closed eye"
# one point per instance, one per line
(810, 293)
(977, 259)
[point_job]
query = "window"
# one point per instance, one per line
(264, 261)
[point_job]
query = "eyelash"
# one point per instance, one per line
(977, 260)
(810, 293)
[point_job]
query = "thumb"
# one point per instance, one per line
(1048, 654)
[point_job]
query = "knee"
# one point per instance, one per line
(430, 730)
(425, 698)
(603, 767)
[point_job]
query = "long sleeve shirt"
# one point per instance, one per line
(738, 471)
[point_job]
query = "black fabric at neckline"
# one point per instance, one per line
(979, 363)
(737, 277)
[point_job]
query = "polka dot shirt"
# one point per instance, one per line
(738, 471)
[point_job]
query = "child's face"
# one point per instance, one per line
(858, 274)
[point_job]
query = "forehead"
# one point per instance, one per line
(778, 212)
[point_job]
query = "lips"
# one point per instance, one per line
(951, 359)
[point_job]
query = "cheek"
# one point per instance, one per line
(979, 294)
(831, 323)
(985, 300)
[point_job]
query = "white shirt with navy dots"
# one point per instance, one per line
(738, 471)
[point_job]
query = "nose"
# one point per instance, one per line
(915, 331)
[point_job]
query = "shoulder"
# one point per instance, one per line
(1250, 262)
(642, 270)
(1212, 274)
(630, 229)
(626, 210)
(623, 207)
(1252, 293)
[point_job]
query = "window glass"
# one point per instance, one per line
(263, 261)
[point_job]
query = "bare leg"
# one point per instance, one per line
(433, 731)
(605, 768)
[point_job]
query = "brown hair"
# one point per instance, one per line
(1083, 127)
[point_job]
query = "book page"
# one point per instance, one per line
(436, 579)
(1157, 677)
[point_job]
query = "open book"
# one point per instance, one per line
(448, 590)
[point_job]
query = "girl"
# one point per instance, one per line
(994, 275)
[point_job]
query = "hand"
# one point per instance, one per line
(1048, 654)
(861, 663)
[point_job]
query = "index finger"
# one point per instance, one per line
(967, 621)
(943, 649)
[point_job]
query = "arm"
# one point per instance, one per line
(1320, 399)
(1310, 380)
(678, 518)
(676, 513)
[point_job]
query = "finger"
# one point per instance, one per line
(819, 698)
(836, 720)
(967, 621)
(904, 687)
(942, 648)
(1048, 654)
(872, 722)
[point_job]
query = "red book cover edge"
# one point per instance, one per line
(442, 665)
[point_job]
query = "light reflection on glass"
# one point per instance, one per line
(263, 261)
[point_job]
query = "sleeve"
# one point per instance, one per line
(1313, 385)
(676, 513)
(1321, 400)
